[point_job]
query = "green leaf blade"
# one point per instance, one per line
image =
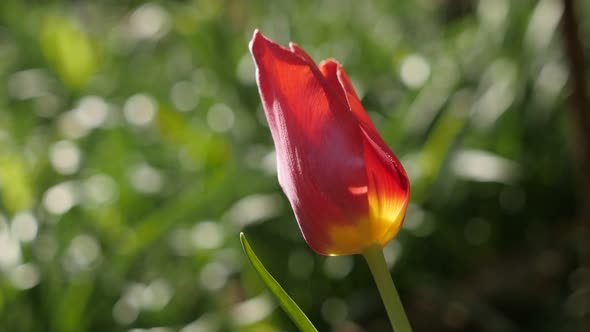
(285, 301)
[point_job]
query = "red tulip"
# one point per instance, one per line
(346, 187)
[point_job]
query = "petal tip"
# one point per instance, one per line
(330, 65)
(259, 42)
(256, 37)
(295, 48)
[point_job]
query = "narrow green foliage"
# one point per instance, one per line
(286, 302)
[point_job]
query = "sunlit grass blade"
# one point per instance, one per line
(290, 307)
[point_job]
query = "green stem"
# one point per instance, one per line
(389, 295)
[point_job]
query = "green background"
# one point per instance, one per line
(133, 150)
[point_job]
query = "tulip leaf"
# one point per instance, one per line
(286, 302)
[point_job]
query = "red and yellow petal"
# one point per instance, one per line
(320, 149)
(346, 187)
(387, 183)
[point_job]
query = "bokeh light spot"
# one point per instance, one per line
(124, 312)
(10, 251)
(146, 179)
(254, 208)
(140, 110)
(65, 157)
(207, 235)
(60, 198)
(245, 71)
(484, 166)
(414, 71)
(392, 252)
(92, 112)
(70, 126)
(30, 83)
(82, 254)
(184, 96)
(252, 310)
(214, 276)
(220, 118)
(24, 276)
(149, 21)
(334, 310)
(100, 189)
(181, 241)
(206, 323)
(338, 267)
(24, 226)
(156, 295)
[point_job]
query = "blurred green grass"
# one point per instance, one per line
(133, 150)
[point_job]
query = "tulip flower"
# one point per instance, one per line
(348, 190)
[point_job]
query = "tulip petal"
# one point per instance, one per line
(320, 149)
(329, 69)
(387, 186)
(301, 53)
(388, 192)
(361, 115)
(336, 76)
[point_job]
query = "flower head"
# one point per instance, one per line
(346, 187)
